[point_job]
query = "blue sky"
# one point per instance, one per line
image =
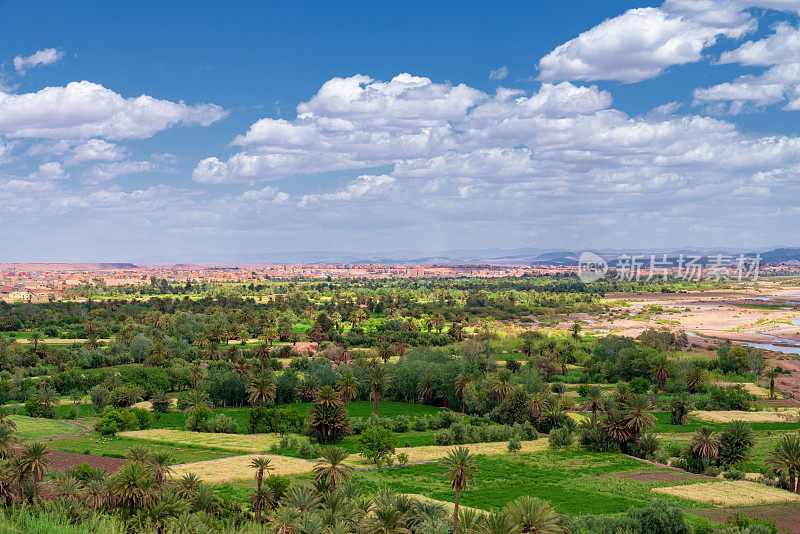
(370, 126)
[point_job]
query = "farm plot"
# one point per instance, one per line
(230, 442)
(237, 468)
(789, 415)
(785, 515)
(730, 493)
(38, 428)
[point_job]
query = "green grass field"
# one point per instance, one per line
(572, 480)
(119, 446)
(37, 428)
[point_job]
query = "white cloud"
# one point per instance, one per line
(48, 56)
(108, 171)
(49, 171)
(85, 109)
(782, 46)
(499, 74)
(637, 45)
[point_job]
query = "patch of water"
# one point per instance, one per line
(795, 349)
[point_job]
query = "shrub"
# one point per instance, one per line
(514, 445)
(639, 385)
(560, 438)
(420, 425)
(221, 424)
(402, 458)
(278, 420)
(114, 420)
(733, 474)
(443, 419)
(306, 450)
(401, 424)
(558, 388)
(197, 420)
(144, 417)
(443, 437)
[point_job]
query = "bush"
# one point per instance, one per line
(99, 396)
(401, 424)
(306, 450)
(514, 445)
(278, 420)
(639, 385)
(113, 421)
(402, 458)
(596, 440)
(733, 474)
(197, 420)
(221, 424)
(420, 425)
(151, 379)
(558, 388)
(560, 438)
(444, 437)
(144, 417)
(443, 419)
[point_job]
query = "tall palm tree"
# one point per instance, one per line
(262, 465)
(637, 415)
(462, 383)
(500, 384)
(593, 402)
(161, 464)
(36, 461)
(704, 443)
(662, 370)
(535, 516)
(785, 459)
(331, 469)
(379, 377)
(347, 386)
(735, 442)
(261, 390)
(460, 468)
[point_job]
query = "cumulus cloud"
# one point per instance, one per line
(637, 45)
(48, 56)
(782, 46)
(83, 110)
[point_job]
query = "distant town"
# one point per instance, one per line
(43, 282)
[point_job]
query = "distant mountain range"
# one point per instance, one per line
(492, 256)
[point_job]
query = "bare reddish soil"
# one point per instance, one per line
(63, 460)
(785, 515)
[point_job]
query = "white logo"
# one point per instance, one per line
(591, 267)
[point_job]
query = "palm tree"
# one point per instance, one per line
(500, 384)
(262, 465)
(347, 386)
(772, 375)
(331, 468)
(704, 443)
(462, 383)
(535, 516)
(133, 485)
(139, 454)
(379, 377)
(785, 459)
(497, 522)
(5, 419)
(261, 390)
(45, 398)
(735, 442)
(696, 377)
(36, 461)
(96, 494)
(7, 441)
(662, 370)
(460, 468)
(197, 400)
(637, 415)
(680, 406)
(69, 487)
(593, 402)
(285, 520)
(426, 389)
(161, 464)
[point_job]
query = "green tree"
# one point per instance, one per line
(376, 442)
(262, 465)
(535, 516)
(380, 379)
(785, 459)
